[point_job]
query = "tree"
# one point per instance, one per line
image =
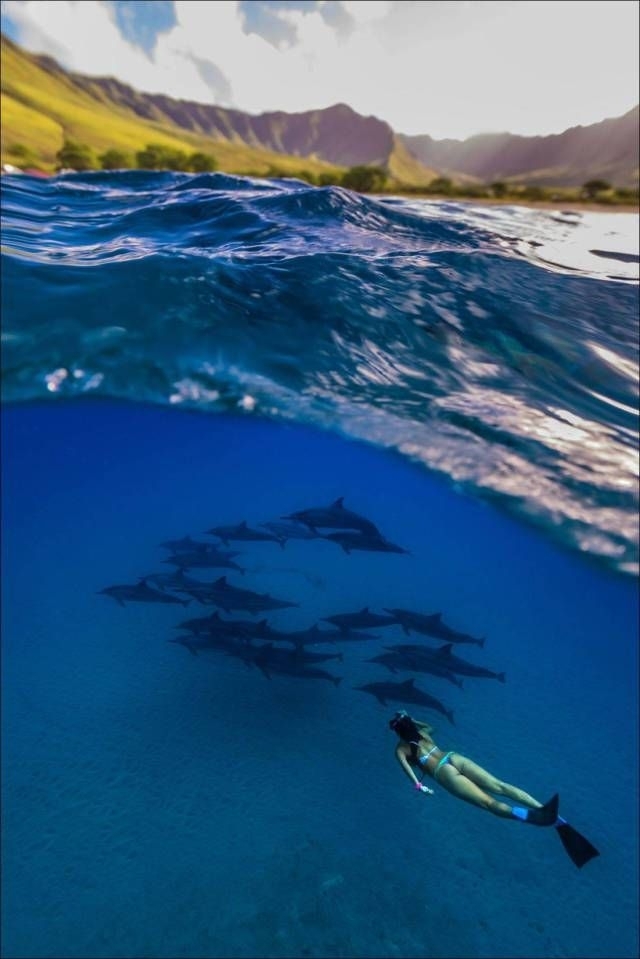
(115, 160)
(307, 176)
(441, 184)
(76, 156)
(329, 179)
(365, 179)
(592, 187)
(499, 188)
(202, 163)
(156, 156)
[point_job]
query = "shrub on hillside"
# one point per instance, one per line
(365, 179)
(202, 163)
(156, 156)
(329, 179)
(76, 156)
(592, 188)
(115, 160)
(441, 184)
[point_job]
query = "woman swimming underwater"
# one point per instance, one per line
(465, 779)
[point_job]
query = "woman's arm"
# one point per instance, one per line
(402, 759)
(429, 728)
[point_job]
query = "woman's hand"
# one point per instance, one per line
(424, 789)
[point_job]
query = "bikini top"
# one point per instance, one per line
(422, 761)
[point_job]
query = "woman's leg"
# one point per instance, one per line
(485, 780)
(457, 784)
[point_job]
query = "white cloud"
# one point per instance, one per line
(444, 68)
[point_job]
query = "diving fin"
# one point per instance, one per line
(546, 815)
(577, 846)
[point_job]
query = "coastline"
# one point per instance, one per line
(577, 206)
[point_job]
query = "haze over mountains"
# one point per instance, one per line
(336, 136)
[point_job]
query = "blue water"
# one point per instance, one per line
(181, 352)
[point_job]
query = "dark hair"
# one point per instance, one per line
(405, 728)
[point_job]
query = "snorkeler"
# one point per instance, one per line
(470, 782)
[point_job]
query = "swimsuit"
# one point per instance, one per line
(445, 759)
(424, 759)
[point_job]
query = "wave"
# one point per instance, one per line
(496, 345)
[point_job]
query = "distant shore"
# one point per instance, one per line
(575, 206)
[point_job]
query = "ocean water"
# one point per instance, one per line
(181, 352)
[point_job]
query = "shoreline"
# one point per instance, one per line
(577, 206)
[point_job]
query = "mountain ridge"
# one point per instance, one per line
(607, 149)
(326, 139)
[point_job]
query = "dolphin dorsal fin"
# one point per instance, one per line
(314, 629)
(221, 582)
(445, 650)
(339, 503)
(143, 581)
(436, 617)
(243, 524)
(215, 615)
(409, 682)
(365, 609)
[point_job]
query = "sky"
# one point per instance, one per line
(449, 69)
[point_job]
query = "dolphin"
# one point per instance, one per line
(314, 635)
(227, 597)
(362, 541)
(215, 624)
(141, 592)
(242, 532)
(405, 692)
(285, 531)
(364, 619)
(272, 661)
(273, 654)
(431, 626)
(176, 581)
(443, 656)
(196, 644)
(185, 545)
(204, 559)
(335, 516)
(397, 662)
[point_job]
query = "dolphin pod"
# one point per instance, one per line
(297, 653)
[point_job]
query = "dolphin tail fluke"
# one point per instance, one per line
(406, 630)
(120, 602)
(449, 714)
(282, 541)
(502, 677)
(577, 846)
(336, 680)
(482, 641)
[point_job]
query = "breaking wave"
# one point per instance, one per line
(496, 345)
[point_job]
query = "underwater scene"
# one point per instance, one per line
(279, 462)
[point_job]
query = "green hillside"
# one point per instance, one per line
(41, 107)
